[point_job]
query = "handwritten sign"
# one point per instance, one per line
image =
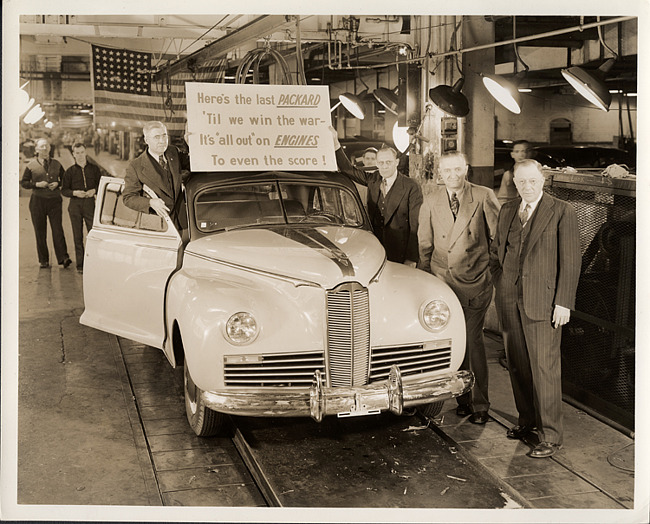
(247, 127)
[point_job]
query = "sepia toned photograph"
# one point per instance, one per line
(320, 263)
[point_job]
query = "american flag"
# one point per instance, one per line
(124, 94)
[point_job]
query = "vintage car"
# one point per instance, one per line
(278, 300)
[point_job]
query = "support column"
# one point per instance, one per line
(479, 123)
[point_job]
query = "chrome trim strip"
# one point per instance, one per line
(297, 282)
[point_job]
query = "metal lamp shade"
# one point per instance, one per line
(386, 98)
(450, 99)
(353, 104)
(591, 84)
(504, 92)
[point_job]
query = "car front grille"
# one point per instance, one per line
(411, 360)
(348, 334)
(283, 369)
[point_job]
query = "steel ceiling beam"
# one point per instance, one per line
(258, 28)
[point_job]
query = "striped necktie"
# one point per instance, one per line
(454, 204)
(523, 214)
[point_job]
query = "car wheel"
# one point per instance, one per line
(431, 410)
(204, 421)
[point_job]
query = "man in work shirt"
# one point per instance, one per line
(80, 183)
(43, 176)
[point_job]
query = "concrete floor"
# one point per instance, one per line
(76, 442)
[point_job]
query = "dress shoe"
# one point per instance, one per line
(463, 410)
(518, 432)
(45, 265)
(545, 449)
(479, 417)
(80, 270)
(66, 263)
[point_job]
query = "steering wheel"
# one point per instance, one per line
(325, 214)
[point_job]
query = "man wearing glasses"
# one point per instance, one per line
(535, 263)
(394, 202)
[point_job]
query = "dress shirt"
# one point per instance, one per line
(532, 205)
(388, 182)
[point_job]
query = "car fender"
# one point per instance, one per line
(398, 297)
(201, 300)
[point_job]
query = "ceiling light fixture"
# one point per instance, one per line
(387, 98)
(450, 99)
(591, 84)
(352, 103)
(506, 92)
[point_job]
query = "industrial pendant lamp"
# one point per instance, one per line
(450, 99)
(353, 104)
(591, 84)
(387, 98)
(506, 92)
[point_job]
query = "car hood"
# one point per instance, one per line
(325, 255)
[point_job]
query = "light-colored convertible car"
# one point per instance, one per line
(278, 300)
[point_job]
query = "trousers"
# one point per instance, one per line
(42, 209)
(475, 358)
(534, 363)
(80, 210)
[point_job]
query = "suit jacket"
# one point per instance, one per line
(145, 170)
(397, 229)
(458, 251)
(551, 262)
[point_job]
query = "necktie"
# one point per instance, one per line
(523, 215)
(383, 187)
(168, 174)
(46, 165)
(455, 204)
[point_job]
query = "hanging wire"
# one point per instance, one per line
(602, 41)
(514, 45)
(302, 79)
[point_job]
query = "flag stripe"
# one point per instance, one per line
(118, 80)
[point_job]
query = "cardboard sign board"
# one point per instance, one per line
(252, 127)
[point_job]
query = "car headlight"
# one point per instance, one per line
(241, 328)
(434, 315)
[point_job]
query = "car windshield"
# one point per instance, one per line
(224, 208)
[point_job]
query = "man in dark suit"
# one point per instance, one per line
(393, 203)
(158, 168)
(535, 262)
(457, 223)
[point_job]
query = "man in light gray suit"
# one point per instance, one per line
(535, 261)
(456, 225)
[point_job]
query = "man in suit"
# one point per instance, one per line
(535, 261)
(393, 203)
(158, 167)
(457, 223)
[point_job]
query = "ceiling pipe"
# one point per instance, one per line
(502, 42)
(262, 26)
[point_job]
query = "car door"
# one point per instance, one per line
(128, 259)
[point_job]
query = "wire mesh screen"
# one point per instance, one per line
(598, 344)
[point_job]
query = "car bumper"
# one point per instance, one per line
(390, 395)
